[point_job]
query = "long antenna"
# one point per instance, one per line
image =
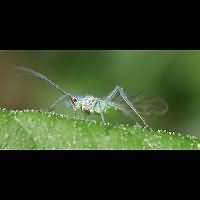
(42, 77)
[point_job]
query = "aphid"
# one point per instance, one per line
(95, 105)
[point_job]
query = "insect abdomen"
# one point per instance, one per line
(102, 107)
(87, 111)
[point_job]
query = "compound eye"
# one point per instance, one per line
(74, 99)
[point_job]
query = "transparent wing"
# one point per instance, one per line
(151, 106)
(144, 105)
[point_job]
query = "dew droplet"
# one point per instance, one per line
(6, 136)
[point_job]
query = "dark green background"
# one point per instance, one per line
(174, 75)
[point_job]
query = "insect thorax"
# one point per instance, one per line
(90, 104)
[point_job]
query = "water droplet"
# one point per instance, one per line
(6, 136)
(74, 140)
(3, 109)
(124, 128)
(49, 137)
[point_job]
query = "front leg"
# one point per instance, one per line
(59, 100)
(118, 91)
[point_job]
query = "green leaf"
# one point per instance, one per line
(43, 130)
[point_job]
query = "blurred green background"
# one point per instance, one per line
(173, 75)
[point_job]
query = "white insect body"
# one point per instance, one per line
(91, 104)
(94, 105)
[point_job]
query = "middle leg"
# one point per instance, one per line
(101, 112)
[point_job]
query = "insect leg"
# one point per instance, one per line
(102, 117)
(51, 83)
(59, 100)
(125, 98)
(113, 94)
(118, 91)
(101, 112)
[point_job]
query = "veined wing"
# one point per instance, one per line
(145, 106)
(151, 106)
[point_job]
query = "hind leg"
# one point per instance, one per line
(118, 91)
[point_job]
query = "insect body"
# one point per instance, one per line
(93, 105)
(90, 104)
